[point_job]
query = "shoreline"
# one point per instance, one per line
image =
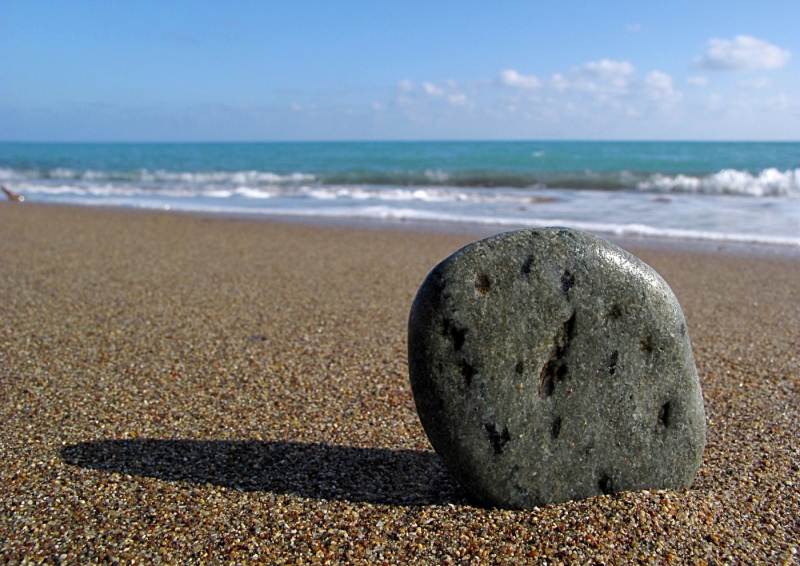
(184, 389)
(476, 230)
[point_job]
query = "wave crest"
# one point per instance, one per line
(770, 182)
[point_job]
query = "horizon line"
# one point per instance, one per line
(435, 140)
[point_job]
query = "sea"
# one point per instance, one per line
(702, 191)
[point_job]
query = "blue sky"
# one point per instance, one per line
(301, 70)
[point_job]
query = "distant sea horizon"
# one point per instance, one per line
(739, 191)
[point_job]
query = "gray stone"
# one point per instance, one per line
(550, 365)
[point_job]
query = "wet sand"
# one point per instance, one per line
(181, 389)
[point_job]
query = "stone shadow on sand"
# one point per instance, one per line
(323, 471)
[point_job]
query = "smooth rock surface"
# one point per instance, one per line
(550, 365)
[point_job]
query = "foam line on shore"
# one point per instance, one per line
(408, 214)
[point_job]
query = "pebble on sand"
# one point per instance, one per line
(550, 365)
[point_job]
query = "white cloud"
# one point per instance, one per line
(658, 87)
(634, 27)
(458, 99)
(607, 69)
(605, 87)
(601, 97)
(601, 78)
(742, 53)
(659, 81)
(432, 90)
(405, 85)
(413, 96)
(512, 78)
(698, 80)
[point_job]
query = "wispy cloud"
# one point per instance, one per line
(697, 80)
(598, 98)
(742, 53)
(405, 85)
(512, 78)
(450, 92)
(634, 27)
(432, 90)
(606, 86)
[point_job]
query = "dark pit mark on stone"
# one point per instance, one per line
(555, 370)
(498, 438)
(612, 363)
(553, 373)
(615, 312)
(467, 371)
(555, 428)
(664, 414)
(526, 267)
(546, 385)
(457, 335)
(683, 330)
(647, 344)
(567, 282)
(605, 484)
(482, 284)
(519, 368)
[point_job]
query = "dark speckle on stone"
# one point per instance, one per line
(498, 438)
(526, 267)
(482, 284)
(555, 370)
(647, 344)
(683, 330)
(615, 312)
(519, 367)
(467, 371)
(612, 363)
(569, 328)
(458, 335)
(546, 383)
(555, 428)
(664, 414)
(567, 281)
(605, 484)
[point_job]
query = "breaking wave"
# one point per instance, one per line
(770, 182)
(260, 184)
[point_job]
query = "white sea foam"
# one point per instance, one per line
(770, 182)
(435, 185)
(411, 214)
(161, 176)
(680, 207)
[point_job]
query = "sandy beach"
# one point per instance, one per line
(178, 389)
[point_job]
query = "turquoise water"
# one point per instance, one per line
(708, 190)
(605, 165)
